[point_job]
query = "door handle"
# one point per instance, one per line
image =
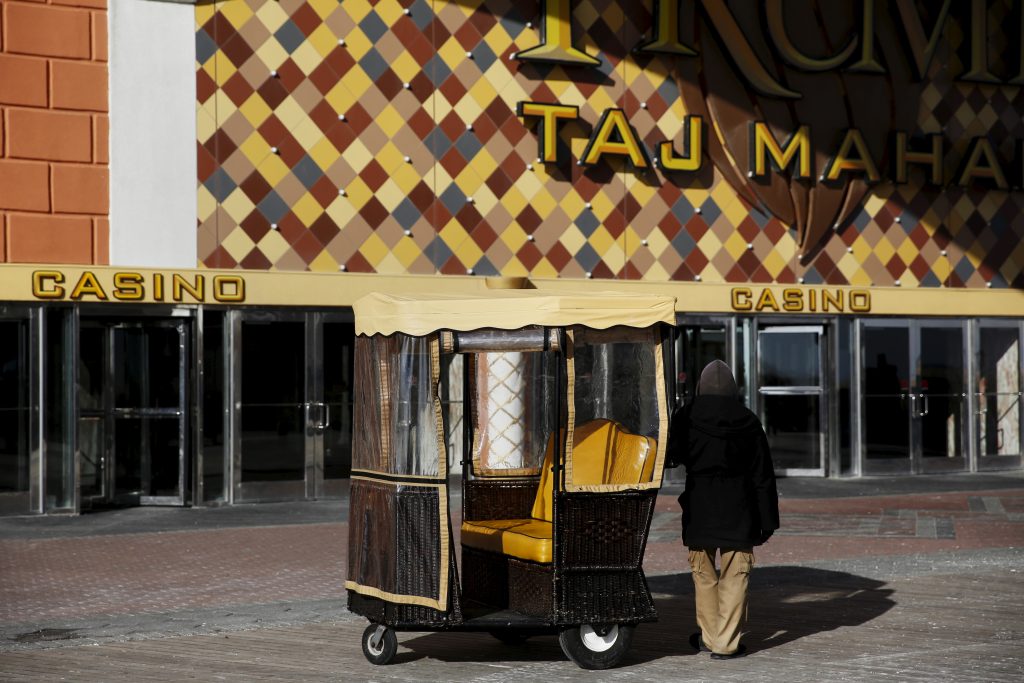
(925, 409)
(324, 420)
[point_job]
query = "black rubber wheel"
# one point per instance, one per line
(379, 648)
(596, 646)
(510, 636)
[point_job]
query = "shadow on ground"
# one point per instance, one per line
(786, 604)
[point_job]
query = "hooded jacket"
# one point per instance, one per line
(730, 500)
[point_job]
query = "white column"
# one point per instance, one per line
(506, 409)
(152, 133)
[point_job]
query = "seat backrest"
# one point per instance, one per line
(603, 453)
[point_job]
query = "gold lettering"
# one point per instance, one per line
(860, 301)
(556, 37)
(547, 133)
(229, 288)
(88, 284)
(922, 48)
(972, 167)
(614, 135)
(158, 287)
(128, 287)
(777, 29)
(40, 278)
(868, 63)
(767, 299)
(741, 299)
(792, 300)
(811, 300)
(979, 72)
(180, 285)
(693, 127)
(862, 162)
(666, 30)
(904, 157)
(835, 300)
(763, 140)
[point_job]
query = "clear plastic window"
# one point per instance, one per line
(618, 382)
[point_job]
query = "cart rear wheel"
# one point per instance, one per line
(596, 646)
(509, 636)
(379, 643)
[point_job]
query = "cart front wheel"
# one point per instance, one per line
(596, 646)
(379, 643)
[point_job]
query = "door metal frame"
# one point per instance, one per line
(728, 325)
(979, 463)
(824, 403)
(915, 462)
(323, 487)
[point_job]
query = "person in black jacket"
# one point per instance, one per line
(730, 504)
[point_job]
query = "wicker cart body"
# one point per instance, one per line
(554, 410)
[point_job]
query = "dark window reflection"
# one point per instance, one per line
(213, 405)
(998, 384)
(339, 341)
(794, 430)
(941, 385)
(273, 390)
(14, 413)
(886, 375)
(790, 359)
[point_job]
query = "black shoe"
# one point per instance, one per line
(741, 651)
(697, 643)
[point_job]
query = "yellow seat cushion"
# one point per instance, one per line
(603, 453)
(527, 539)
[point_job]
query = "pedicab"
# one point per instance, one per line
(554, 408)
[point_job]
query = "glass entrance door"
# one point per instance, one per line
(791, 394)
(293, 406)
(913, 399)
(998, 391)
(15, 415)
(132, 419)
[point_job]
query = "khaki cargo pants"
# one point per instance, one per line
(721, 596)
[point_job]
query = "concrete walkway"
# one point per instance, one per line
(870, 579)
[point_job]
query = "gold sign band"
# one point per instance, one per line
(112, 286)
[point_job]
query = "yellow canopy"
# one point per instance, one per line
(419, 315)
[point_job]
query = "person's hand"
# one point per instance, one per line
(765, 535)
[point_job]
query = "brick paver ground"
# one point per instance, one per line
(915, 586)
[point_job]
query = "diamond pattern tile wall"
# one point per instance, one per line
(382, 136)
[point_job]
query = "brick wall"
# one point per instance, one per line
(54, 176)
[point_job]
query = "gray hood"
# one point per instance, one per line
(717, 380)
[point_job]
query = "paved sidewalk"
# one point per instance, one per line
(868, 579)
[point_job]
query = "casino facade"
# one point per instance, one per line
(193, 194)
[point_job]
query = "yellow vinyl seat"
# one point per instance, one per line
(603, 453)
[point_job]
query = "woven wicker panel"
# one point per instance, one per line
(417, 546)
(484, 578)
(499, 499)
(603, 531)
(371, 535)
(530, 588)
(602, 597)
